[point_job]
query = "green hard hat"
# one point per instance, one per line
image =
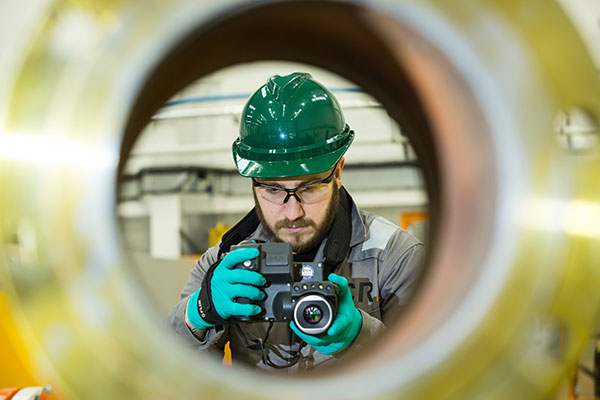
(291, 126)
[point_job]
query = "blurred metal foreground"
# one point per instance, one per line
(477, 85)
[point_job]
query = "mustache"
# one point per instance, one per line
(297, 223)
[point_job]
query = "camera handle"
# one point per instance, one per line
(254, 318)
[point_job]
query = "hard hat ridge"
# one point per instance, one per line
(278, 85)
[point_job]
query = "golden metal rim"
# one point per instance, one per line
(78, 299)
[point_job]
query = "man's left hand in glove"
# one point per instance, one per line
(345, 327)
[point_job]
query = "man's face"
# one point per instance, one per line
(303, 225)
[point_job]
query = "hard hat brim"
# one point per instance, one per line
(289, 168)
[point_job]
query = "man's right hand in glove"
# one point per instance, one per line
(215, 302)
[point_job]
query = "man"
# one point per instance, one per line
(292, 140)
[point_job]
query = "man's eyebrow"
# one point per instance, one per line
(269, 183)
(305, 183)
(275, 184)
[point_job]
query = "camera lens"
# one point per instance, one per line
(313, 314)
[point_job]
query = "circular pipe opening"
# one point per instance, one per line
(413, 80)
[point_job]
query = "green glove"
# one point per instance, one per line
(345, 327)
(215, 302)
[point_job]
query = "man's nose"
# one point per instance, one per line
(292, 209)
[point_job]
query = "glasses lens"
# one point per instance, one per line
(313, 193)
(272, 194)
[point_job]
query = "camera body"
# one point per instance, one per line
(295, 291)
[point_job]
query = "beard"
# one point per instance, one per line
(298, 244)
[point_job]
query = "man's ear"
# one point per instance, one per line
(338, 172)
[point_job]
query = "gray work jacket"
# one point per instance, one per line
(382, 266)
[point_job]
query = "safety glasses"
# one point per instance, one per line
(308, 193)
